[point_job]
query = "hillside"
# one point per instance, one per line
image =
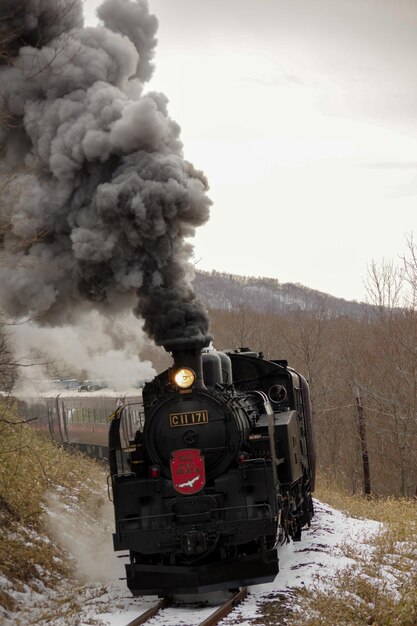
(57, 566)
(219, 290)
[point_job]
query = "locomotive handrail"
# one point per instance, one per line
(269, 411)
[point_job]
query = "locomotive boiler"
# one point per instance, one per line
(219, 472)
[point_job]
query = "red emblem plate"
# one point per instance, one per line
(188, 471)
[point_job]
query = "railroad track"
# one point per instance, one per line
(213, 619)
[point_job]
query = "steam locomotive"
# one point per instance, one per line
(219, 471)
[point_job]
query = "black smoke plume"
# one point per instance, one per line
(97, 200)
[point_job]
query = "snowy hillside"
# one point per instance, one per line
(219, 290)
(104, 599)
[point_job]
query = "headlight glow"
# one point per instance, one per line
(184, 378)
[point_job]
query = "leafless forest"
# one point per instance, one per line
(360, 360)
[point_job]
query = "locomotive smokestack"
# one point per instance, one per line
(186, 352)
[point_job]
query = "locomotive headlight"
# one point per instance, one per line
(184, 378)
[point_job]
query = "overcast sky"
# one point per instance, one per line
(303, 115)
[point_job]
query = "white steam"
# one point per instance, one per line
(85, 533)
(98, 349)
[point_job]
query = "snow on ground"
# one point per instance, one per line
(304, 563)
(301, 565)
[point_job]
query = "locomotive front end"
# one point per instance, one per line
(188, 415)
(194, 511)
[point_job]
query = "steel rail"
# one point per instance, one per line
(211, 620)
(225, 608)
(144, 617)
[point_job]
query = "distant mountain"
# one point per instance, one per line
(219, 290)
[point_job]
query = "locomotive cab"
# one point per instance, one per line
(218, 474)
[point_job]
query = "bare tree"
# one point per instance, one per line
(391, 386)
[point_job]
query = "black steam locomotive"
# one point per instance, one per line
(219, 472)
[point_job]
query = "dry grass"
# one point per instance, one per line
(30, 468)
(398, 512)
(65, 607)
(30, 464)
(380, 588)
